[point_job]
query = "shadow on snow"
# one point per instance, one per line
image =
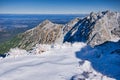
(104, 58)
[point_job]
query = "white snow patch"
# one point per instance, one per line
(17, 52)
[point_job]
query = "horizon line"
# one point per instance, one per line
(57, 13)
(44, 13)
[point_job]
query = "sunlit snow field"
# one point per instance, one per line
(59, 62)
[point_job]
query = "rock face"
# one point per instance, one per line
(70, 25)
(95, 29)
(45, 33)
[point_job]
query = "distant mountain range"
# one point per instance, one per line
(95, 29)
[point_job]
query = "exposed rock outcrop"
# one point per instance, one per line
(45, 33)
(70, 25)
(95, 29)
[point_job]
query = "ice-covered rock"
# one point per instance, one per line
(95, 29)
(69, 25)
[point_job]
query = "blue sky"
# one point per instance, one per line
(57, 6)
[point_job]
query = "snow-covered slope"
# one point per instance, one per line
(59, 62)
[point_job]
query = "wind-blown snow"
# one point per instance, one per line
(56, 62)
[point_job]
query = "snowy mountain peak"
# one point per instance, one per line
(95, 29)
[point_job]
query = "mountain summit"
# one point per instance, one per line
(95, 29)
(45, 33)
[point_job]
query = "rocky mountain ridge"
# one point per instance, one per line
(45, 33)
(95, 29)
